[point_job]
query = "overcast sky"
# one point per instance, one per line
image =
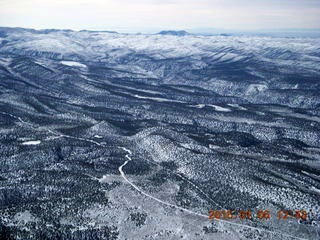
(141, 15)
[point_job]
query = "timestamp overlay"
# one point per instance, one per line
(279, 217)
(301, 215)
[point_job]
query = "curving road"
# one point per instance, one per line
(187, 210)
(146, 194)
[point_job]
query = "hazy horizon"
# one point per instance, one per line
(156, 15)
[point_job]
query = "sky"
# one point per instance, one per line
(154, 15)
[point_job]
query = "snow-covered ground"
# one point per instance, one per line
(73, 64)
(35, 142)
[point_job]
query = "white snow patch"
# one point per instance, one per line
(256, 88)
(218, 108)
(198, 106)
(109, 178)
(260, 113)
(237, 106)
(158, 99)
(73, 64)
(315, 189)
(183, 89)
(36, 142)
(22, 218)
(211, 146)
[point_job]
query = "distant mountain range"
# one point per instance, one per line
(314, 33)
(174, 33)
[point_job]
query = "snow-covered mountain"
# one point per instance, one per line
(258, 69)
(131, 136)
